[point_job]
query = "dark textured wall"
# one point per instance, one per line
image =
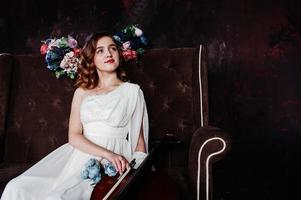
(254, 70)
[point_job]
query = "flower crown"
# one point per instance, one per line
(62, 54)
(132, 41)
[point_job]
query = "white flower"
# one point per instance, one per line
(53, 43)
(138, 32)
(70, 54)
(69, 62)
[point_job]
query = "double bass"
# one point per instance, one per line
(110, 186)
(141, 183)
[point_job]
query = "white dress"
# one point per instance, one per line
(112, 120)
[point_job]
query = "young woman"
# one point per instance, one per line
(108, 120)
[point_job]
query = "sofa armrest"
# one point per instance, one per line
(208, 145)
(6, 70)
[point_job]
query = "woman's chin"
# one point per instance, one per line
(108, 69)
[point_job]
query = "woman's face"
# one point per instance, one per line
(106, 57)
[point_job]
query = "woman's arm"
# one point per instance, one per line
(140, 151)
(77, 140)
(139, 130)
(141, 143)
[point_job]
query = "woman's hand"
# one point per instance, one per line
(119, 162)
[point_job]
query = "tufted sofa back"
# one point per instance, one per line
(175, 86)
(39, 104)
(172, 80)
(38, 111)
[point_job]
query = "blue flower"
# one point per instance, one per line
(84, 174)
(144, 40)
(120, 37)
(93, 171)
(117, 38)
(53, 58)
(110, 169)
(90, 162)
(135, 43)
(96, 179)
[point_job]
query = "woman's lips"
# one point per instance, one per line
(110, 61)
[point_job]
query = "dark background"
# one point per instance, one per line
(254, 72)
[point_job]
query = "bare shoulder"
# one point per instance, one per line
(79, 94)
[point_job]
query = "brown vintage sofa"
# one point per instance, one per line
(35, 106)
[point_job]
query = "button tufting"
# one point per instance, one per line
(32, 104)
(181, 124)
(151, 85)
(165, 104)
(57, 102)
(53, 140)
(182, 86)
(43, 123)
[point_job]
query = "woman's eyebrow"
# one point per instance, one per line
(99, 47)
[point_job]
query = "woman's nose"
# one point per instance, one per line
(108, 53)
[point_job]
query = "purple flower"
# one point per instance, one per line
(126, 45)
(72, 42)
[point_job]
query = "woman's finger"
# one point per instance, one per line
(119, 167)
(122, 165)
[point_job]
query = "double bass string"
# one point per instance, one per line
(120, 178)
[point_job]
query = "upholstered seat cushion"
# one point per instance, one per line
(11, 170)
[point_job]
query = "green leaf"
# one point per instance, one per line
(129, 31)
(63, 42)
(59, 74)
(140, 51)
(72, 76)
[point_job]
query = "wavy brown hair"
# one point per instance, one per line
(87, 76)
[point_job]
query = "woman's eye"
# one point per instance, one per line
(99, 51)
(114, 48)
